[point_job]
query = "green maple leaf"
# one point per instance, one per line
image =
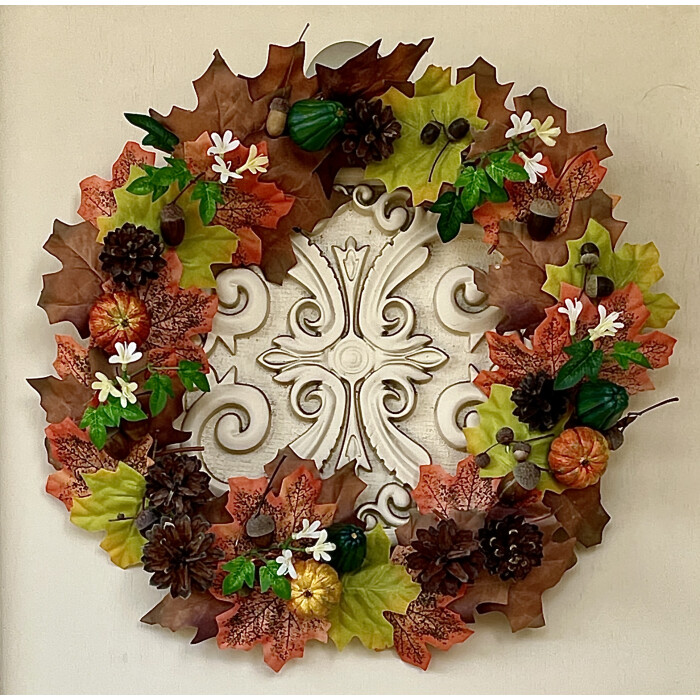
(496, 413)
(209, 195)
(585, 361)
(115, 501)
(191, 375)
(412, 161)
(202, 246)
(376, 587)
(240, 571)
(630, 263)
(625, 351)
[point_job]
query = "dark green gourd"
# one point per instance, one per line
(313, 123)
(350, 547)
(601, 403)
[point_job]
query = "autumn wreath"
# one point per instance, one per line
(283, 558)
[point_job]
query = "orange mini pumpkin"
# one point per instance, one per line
(119, 318)
(578, 457)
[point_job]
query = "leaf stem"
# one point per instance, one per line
(187, 186)
(176, 450)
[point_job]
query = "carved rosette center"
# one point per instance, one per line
(352, 358)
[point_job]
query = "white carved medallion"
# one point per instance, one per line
(364, 353)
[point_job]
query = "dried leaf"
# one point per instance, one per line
(199, 610)
(440, 492)
(427, 622)
(67, 295)
(62, 398)
(96, 194)
(72, 360)
(580, 513)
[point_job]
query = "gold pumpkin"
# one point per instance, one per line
(578, 457)
(315, 590)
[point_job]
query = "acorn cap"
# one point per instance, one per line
(544, 207)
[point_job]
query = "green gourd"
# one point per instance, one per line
(313, 123)
(600, 403)
(350, 547)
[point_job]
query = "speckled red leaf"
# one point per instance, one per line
(521, 601)
(72, 360)
(440, 492)
(69, 293)
(199, 610)
(580, 513)
(568, 144)
(72, 448)
(427, 622)
(341, 488)
(263, 618)
(176, 315)
(96, 194)
(368, 74)
(515, 284)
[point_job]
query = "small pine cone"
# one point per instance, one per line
(511, 547)
(181, 555)
(176, 484)
(537, 403)
(132, 255)
(445, 558)
(370, 132)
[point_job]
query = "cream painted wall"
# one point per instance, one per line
(625, 619)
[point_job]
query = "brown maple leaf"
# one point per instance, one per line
(263, 618)
(69, 294)
(73, 450)
(521, 601)
(199, 610)
(515, 284)
(97, 194)
(72, 360)
(427, 621)
(580, 513)
(439, 492)
(62, 398)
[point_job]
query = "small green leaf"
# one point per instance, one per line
(241, 571)
(157, 135)
(626, 351)
(94, 421)
(452, 215)
(469, 194)
(269, 578)
(501, 168)
(585, 362)
(141, 185)
(209, 195)
(482, 180)
(180, 171)
(161, 387)
(191, 375)
(133, 413)
(497, 194)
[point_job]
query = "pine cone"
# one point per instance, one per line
(132, 255)
(445, 558)
(176, 485)
(537, 404)
(370, 132)
(511, 547)
(181, 555)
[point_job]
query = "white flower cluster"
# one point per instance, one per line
(123, 389)
(320, 549)
(545, 131)
(226, 144)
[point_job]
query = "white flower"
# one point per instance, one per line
(254, 163)
(521, 125)
(532, 166)
(105, 386)
(224, 170)
(321, 548)
(545, 132)
(223, 145)
(608, 326)
(126, 391)
(126, 354)
(573, 310)
(286, 564)
(308, 531)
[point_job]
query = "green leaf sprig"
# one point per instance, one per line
(156, 134)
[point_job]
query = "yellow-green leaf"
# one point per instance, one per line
(202, 246)
(631, 263)
(376, 587)
(411, 163)
(496, 413)
(115, 501)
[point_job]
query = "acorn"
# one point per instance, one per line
(590, 255)
(146, 519)
(541, 219)
(527, 474)
(261, 529)
(521, 450)
(458, 129)
(510, 492)
(430, 132)
(276, 121)
(614, 437)
(599, 286)
(482, 460)
(172, 224)
(505, 436)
